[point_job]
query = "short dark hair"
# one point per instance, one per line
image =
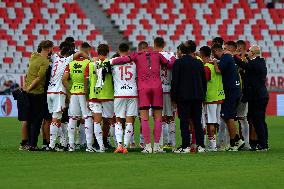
(123, 47)
(242, 43)
(103, 49)
(218, 40)
(205, 51)
(192, 45)
(85, 45)
(184, 48)
(231, 43)
(69, 39)
(159, 42)
(67, 51)
(64, 44)
(216, 46)
(142, 45)
(45, 44)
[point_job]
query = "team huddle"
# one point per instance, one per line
(95, 100)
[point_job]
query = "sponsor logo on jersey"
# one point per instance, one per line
(77, 66)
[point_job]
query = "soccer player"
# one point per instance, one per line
(218, 40)
(56, 93)
(125, 99)
(214, 97)
(168, 135)
(99, 91)
(242, 108)
(231, 84)
(78, 107)
(150, 93)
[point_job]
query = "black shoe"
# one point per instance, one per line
(32, 149)
(49, 149)
(59, 148)
(108, 146)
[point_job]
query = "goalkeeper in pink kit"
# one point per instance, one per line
(150, 93)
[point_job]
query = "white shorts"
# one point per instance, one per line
(242, 109)
(56, 104)
(212, 113)
(167, 105)
(78, 106)
(124, 107)
(105, 108)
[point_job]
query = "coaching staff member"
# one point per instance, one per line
(232, 90)
(256, 94)
(188, 92)
(34, 86)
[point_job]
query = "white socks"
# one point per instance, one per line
(245, 130)
(222, 133)
(99, 134)
(212, 142)
(89, 130)
(118, 133)
(128, 133)
(53, 134)
(63, 134)
(172, 133)
(71, 132)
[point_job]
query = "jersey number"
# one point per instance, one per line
(125, 74)
(55, 69)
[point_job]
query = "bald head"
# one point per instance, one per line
(254, 51)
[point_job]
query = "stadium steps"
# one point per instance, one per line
(102, 22)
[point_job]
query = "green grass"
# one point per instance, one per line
(135, 170)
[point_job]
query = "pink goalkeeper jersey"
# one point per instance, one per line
(148, 65)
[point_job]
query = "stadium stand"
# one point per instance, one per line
(24, 23)
(202, 20)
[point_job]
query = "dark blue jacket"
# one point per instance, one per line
(188, 80)
(255, 73)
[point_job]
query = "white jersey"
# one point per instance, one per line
(124, 80)
(166, 74)
(57, 70)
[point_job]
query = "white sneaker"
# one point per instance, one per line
(181, 150)
(101, 150)
(240, 144)
(200, 149)
(90, 150)
(223, 148)
(158, 149)
(71, 149)
(147, 150)
(232, 149)
(246, 148)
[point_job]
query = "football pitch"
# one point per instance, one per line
(240, 170)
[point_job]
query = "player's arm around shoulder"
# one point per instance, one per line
(86, 81)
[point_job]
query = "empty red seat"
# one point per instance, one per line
(8, 60)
